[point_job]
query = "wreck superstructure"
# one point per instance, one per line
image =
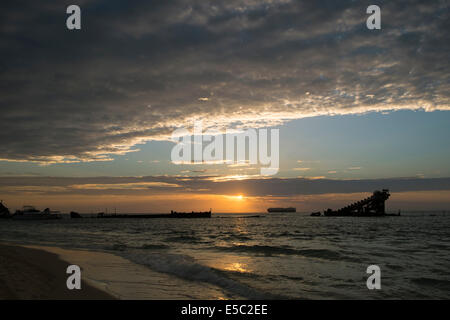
(368, 207)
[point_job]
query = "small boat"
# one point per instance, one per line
(75, 215)
(316, 214)
(31, 213)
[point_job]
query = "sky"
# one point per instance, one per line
(87, 115)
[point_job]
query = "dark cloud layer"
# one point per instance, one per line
(209, 185)
(138, 69)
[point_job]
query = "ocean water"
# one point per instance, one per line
(273, 256)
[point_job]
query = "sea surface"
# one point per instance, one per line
(266, 256)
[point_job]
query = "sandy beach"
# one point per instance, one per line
(38, 272)
(28, 273)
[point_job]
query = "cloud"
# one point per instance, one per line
(251, 186)
(137, 69)
(128, 186)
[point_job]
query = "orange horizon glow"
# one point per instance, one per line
(238, 203)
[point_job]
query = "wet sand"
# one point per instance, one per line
(106, 276)
(29, 273)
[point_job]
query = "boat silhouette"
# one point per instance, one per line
(289, 209)
(31, 213)
(4, 211)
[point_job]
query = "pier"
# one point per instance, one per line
(171, 215)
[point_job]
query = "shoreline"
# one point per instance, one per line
(39, 272)
(36, 274)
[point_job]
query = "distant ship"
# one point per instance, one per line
(290, 209)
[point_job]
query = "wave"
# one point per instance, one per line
(123, 247)
(237, 237)
(154, 246)
(187, 268)
(186, 239)
(284, 250)
(280, 234)
(259, 249)
(117, 247)
(291, 278)
(431, 282)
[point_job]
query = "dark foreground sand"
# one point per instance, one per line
(36, 274)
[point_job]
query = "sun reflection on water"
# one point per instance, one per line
(237, 266)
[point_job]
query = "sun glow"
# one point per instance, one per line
(238, 197)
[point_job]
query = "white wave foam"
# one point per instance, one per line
(186, 267)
